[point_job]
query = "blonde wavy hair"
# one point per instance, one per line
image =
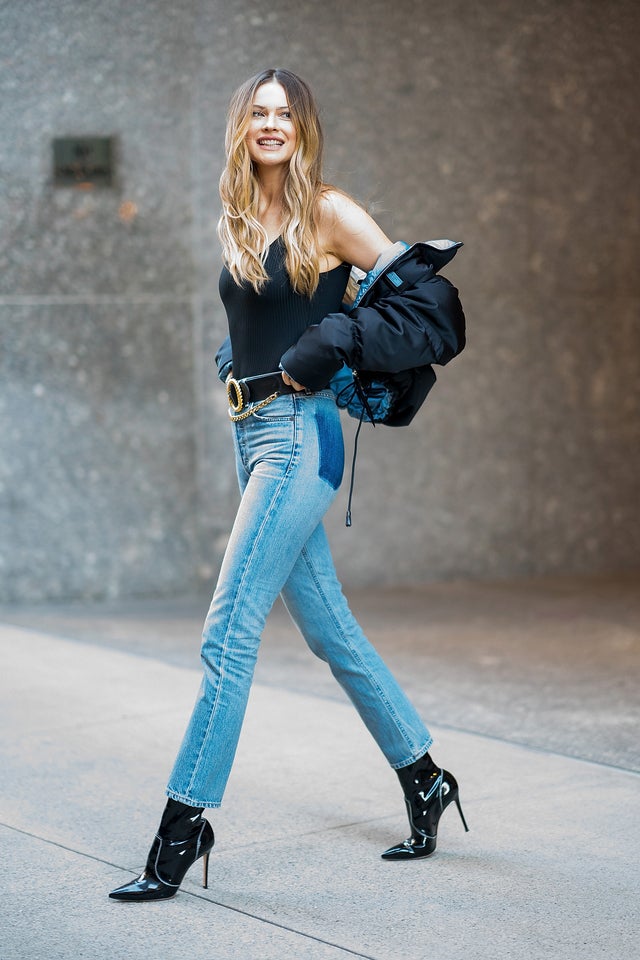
(245, 243)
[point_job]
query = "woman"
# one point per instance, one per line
(289, 241)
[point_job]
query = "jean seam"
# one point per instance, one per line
(388, 706)
(190, 801)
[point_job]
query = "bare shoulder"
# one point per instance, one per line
(336, 204)
(348, 232)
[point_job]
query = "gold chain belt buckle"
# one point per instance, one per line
(235, 395)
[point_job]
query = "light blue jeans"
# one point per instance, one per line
(290, 459)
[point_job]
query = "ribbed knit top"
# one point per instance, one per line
(263, 325)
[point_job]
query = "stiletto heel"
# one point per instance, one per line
(205, 871)
(183, 836)
(428, 791)
(464, 822)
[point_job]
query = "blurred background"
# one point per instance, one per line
(510, 125)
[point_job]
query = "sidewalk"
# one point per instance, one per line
(549, 869)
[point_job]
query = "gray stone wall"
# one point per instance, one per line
(509, 125)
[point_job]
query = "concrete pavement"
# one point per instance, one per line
(89, 731)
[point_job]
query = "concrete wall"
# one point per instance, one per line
(509, 125)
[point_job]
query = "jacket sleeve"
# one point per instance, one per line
(223, 359)
(321, 351)
(419, 323)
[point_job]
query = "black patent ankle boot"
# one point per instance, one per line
(428, 791)
(183, 836)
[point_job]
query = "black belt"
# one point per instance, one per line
(253, 389)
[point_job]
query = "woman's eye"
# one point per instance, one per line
(285, 115)
(257, 113)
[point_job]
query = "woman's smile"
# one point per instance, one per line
(272, 135)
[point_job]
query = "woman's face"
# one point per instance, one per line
(271, 137)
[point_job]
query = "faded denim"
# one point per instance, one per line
(290, 459)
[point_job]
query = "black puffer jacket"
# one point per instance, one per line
(405, 318)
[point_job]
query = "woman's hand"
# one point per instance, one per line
(291, 383)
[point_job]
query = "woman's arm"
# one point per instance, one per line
(348, 233)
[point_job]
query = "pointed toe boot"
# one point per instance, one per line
(428, 791)
(183, 837)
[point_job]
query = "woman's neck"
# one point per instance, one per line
(271, 181)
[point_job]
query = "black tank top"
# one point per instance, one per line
(263, 325)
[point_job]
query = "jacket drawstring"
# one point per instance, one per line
(362, 397)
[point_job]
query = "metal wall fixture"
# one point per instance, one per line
(83, 162)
